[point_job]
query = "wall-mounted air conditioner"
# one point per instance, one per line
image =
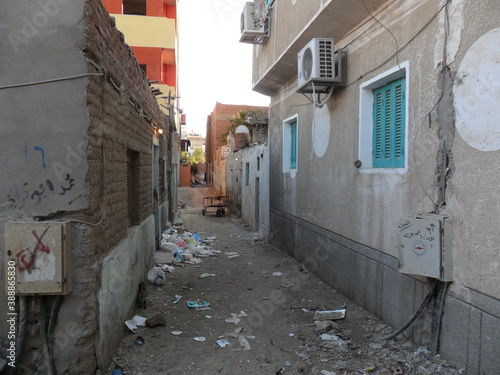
(425, 246)
(320, 67)
(251, 24)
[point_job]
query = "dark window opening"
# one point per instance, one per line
(134, 7)
(133, 192)
(161, 175)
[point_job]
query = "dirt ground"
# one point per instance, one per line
(263, 304)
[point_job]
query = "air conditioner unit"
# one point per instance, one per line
(251, 24)
(320, 67)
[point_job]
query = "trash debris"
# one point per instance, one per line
(329, 315)
(139, 340)
(176, 333)
(322, 326)
(200, 339)
(167, 268)
(136, 321)
(328, 337)
(198, 305)
(242, 314)
(177, 298)
(223, 343)
(281, 371)
(205, 275)
(187, 257)
(117, 372)
(233, 320)
(326, 372)
(156, 319)
(244, 343)
(277, 274)
(156, 276)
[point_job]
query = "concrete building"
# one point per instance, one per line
(247, 186)
(84, 185)
(216, 148)
(196, 140)
(150, 29)
(389, 181)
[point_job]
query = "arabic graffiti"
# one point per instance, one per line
(423, 235)
(43, 156)
(18, 200)
(55, 177)
(71, 184)
(36, 148)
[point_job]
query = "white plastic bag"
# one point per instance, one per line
(156, 276)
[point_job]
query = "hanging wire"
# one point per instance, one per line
(389, 31)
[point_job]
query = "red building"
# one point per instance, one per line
(217, 122)
(150, 29)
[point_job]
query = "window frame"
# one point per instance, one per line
(389, 114)
(290, 147)
(366, 120)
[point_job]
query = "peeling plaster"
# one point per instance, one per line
(456, 25)
(445, 113)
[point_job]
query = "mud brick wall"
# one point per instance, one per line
(123, 114)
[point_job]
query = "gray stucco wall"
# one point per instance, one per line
(342, 220)
(254, 196)
(43, 129)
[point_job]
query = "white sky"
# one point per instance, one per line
(213, 65)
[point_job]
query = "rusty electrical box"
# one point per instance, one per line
(40, 252)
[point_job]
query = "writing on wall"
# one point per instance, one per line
(39, 178)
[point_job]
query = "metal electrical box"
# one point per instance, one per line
(425, 247)
(40, 253)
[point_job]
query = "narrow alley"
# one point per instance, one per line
(261, 314)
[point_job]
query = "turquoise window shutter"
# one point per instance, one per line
(269, 3)
(293, 145)
(389, 125)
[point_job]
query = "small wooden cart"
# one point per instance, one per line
(216, 202)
